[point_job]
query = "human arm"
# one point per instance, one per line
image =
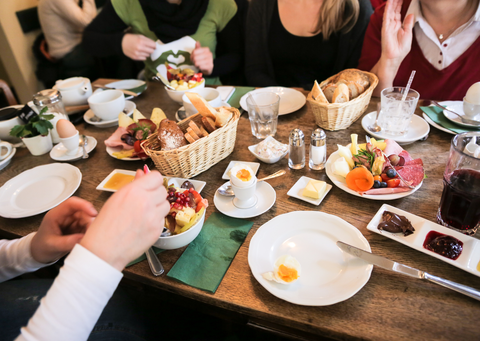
(77, 16)
(130, 222)
(395, 43)
(61, 229)
(256, 60)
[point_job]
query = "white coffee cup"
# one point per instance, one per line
(107, 104)
(244, 196)
(212, 96)
(7, 125)
(75, 90)
(5, 149)
(71, 143)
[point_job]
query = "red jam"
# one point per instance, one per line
(446, 246)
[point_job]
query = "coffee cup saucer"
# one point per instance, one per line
(59, 151)
(265, 198)
(89, 115)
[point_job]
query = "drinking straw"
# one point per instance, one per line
(407, 88)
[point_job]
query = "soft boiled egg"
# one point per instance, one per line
(242, 175)
(65, 128)
(286, 270)
(473, 94)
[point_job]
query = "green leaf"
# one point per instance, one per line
(42, 127)
(46, 117)
(17, 131)
(43, 111)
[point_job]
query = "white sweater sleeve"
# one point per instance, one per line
(16, 258)
(76, 299)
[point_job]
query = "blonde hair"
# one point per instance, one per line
(337, 16)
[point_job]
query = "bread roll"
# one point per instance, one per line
(318, 94)
(353, 75)
(341, 94)
(170, 135)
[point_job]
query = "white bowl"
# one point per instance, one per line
(107, 104)
(253, 148)
(177, 95)
(212, 96)
(180, 240)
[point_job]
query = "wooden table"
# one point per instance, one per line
(389, 307)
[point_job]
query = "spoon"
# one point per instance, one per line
(226, 188)
(83, 143)
(375, 127)
(160, 78)
(154, 262)
(464, 120)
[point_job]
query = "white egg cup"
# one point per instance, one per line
(245, 196)
(71, 143)
(471, 110)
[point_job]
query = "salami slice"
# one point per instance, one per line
(414, 162)
(414, 174)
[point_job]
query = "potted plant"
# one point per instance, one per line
(36, 133)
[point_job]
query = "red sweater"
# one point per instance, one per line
(450, 83)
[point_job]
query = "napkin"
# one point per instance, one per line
(234, 100)
(208, 257)
(436, 115)
(143, 257)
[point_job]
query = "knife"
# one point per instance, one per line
(388, 264)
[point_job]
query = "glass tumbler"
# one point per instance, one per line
(263, 113)
(460, 203)
(396, 114)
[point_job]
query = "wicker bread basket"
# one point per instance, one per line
(336, 116)
(193, 159)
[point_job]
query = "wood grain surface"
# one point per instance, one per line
(389, 307)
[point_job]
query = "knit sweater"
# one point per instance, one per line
(63, 22)
(259, 68)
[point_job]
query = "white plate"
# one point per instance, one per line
(111, 150)
(253, 165)
(290, 99)
(128, 84)
(418, 129)
(266, 197)
(177, 182)
(467, 260)
(59, 152)
(38, 189)
(456, 106)
(224, 104)
(328, 275)
(297, 189)
(339, 181)
(129, 107)
(438, 126)
(4, 163)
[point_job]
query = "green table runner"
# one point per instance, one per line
(208, 257)
(234, 100)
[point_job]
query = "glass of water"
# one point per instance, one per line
(263, 113)
(396, 114)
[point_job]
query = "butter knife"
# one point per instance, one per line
(388, 264)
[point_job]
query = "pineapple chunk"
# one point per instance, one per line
(183, 217)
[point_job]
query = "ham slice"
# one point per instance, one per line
(405, 155)
(115, 140)
(392, 148)
(386, 190)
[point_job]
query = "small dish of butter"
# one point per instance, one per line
(310, 190)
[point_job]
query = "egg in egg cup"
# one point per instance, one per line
(244, 185)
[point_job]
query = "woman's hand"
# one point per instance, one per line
(396, 44)
(130, 221)
(62, 228)
(202, 58)
(137, 46)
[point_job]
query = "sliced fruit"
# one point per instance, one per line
(124, 120)
(192, 222)
(354, 145)
(359, 179)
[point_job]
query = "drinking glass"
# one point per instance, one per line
(396, 114)
(263, 113)
(460, 203)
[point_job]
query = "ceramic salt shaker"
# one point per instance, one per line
(318, 150)
(296, 156)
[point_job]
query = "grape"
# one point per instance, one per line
(394, 159)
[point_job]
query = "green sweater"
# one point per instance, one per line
(218, 14)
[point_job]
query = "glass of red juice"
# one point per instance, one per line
(460, 203)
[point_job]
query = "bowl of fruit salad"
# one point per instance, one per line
(185, 219)
(183, 80)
